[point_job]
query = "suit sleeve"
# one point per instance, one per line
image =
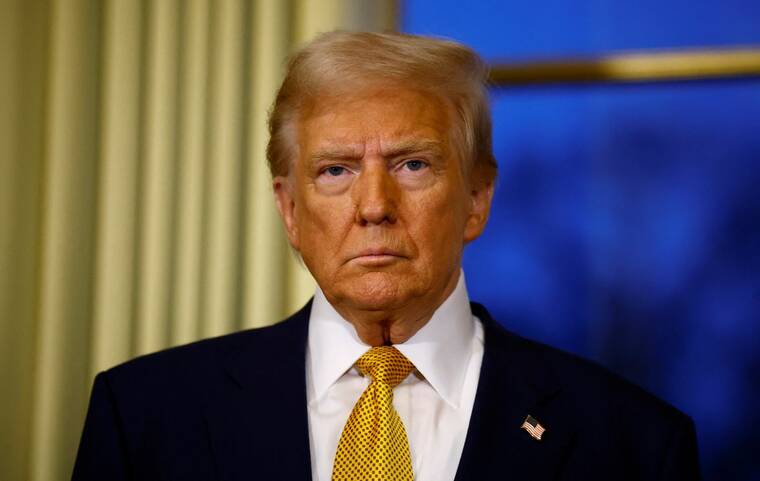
(102, 450)
(682, 461)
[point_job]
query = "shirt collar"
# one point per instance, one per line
(333, 345)
(440, 350)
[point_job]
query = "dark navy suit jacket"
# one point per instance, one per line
(234, 408)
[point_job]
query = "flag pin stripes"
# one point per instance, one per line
(533, 427)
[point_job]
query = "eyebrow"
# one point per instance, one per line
(395, 149)
(416, 146)
(335, 152)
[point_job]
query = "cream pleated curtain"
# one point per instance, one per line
(135, 202)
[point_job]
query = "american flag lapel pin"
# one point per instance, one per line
(533, 427)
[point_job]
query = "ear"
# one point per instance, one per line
(480, 196)
(285, 200)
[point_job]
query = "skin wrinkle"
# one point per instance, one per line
(420, 218)
(336, 150)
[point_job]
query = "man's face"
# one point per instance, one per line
(377, 202)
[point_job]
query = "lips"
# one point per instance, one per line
(377, 256)
(379, 252)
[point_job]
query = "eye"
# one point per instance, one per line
(414, 165)
(335, 170)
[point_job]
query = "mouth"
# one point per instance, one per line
(377, 257)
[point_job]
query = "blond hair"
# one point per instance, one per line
(347, 60)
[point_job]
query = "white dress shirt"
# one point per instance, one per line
(434, 402)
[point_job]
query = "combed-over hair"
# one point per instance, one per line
(341, 61)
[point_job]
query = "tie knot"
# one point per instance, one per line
(385, 364)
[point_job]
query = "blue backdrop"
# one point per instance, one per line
(626, 223)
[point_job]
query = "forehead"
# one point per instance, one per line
(374, 119)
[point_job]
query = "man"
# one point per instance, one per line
(382, 169)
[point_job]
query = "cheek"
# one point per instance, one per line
(437, 226)
(322, 223)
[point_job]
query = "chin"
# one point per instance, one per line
(376, 291)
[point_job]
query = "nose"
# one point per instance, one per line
(375, 196)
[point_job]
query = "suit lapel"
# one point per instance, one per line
(513, 384)
(258, 425)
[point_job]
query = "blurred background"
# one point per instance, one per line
(135, 210)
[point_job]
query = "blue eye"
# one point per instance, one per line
(415, 165)
(335, 170)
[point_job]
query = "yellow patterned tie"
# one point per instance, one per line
(374, 445)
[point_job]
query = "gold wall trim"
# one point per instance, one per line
(655, 66)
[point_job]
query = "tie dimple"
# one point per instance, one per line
(385, 364)
(374, 445)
